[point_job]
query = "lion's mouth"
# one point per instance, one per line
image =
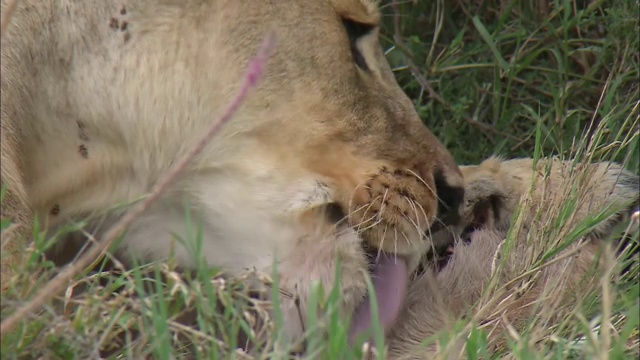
(390, 279)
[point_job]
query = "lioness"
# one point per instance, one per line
(494, 189)
(100, 98)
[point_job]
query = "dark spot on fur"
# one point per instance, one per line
(114, 23)
(127, 37)
(123, 25)
(82, 131)
(55, 210)
(396, 208)
(404, 193)
(84, 151)
(123, 11)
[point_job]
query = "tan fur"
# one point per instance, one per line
(99, 98)
(437, 299)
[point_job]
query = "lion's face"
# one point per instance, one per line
(330, 107)
(330, 114)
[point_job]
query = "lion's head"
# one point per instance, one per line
(330, 138)
(325, 160)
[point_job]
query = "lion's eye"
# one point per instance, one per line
(356, 30)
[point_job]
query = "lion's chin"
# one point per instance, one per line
(390, 278)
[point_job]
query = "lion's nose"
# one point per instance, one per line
(450, 192)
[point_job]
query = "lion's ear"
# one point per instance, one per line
(484, 201)
(485, 211)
